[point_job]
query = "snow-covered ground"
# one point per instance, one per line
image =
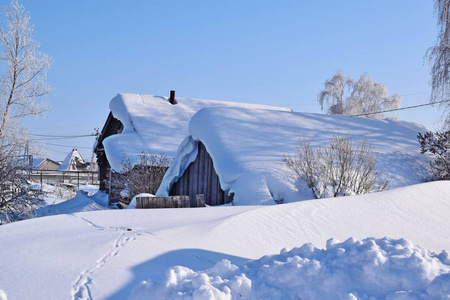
(106, 254)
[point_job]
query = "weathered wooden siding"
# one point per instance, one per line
(168, 202)
(201, 178)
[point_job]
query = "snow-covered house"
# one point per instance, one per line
(237, 153)
(73, 162)
(45, 164)
(149, 124)
(38, 163)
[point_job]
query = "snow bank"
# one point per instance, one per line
(247, 147)
(153, 125)
(49, 258)
(380, 268)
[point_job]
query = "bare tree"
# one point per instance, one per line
(143, 177)
(340, 168)
(364, 97)
(439, 60)
(25, 80)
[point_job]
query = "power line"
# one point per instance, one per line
(59, 145)
(423, 93)
(62, 136)
(402, 108)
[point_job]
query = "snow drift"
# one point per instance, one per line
(247, 148)
(94, 254)
(153, 125)
(368, 269)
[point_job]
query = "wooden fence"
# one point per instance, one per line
(65, 177)
(168, 202)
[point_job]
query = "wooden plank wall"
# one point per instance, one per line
(201, 178)
(168, 202)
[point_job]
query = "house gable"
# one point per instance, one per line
(201, 178)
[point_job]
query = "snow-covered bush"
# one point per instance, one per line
(341, 168)
(437, 144)
(367, 269)
(17, 198)
(143, 177)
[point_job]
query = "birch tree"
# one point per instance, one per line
(344, 96)
(333, 94)
(25, 79)
(439, 59)
(21, 87)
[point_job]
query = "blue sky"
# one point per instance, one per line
(269, 52)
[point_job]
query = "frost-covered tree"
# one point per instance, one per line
(344, 96)
(21, 86)
(439, 59)
(333, 94)
(25, 80)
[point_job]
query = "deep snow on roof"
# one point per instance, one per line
(247, 148)
(153, 125)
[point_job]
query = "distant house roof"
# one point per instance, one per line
(72, 162)
(36, 162)
(247, 148)
(152, 124)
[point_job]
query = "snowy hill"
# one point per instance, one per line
(105, 254)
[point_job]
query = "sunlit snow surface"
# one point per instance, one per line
(247, 147)
(153, 125)
(379, 268)
(106, 254)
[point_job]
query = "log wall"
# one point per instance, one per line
(201, 178)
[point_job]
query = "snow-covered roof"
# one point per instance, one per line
(71, 161)
(37, 161)
(153, 125)
(247, 147)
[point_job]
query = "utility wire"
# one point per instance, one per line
(395, 109)
(62, 136)
(59, 145)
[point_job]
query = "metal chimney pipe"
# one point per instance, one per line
(172, 98)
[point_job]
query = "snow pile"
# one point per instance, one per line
(247, 147)
(62, 200)
(380, 268)
(153, 125)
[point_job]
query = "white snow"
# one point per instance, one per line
(247, 148)
(153, 125)
(106, 254)
(372, 268)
